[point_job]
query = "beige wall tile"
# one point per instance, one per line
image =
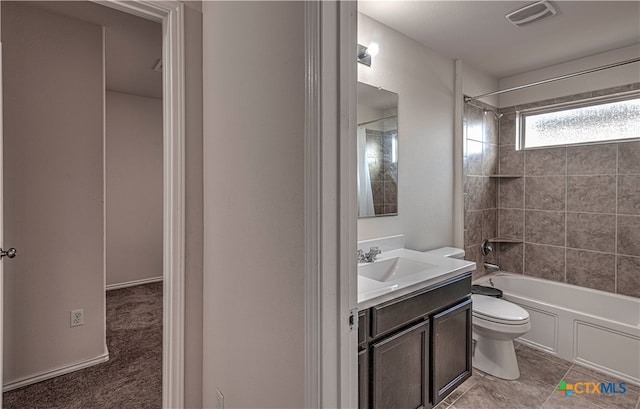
(474, 118)
(543, 227)
(489, 193)
(511, 162)
(545, 193)
(591, 269)
(510, 257)
(489, 159)
(544, 261)
(589, 231)
(629, 158)
(511, 193)
(540, 162)
(511, 223)
(490, 128)
(489, 223)
(629, 235)
(629, 276)
(473, 188)
(592, 159)
(629, 194)
(508, 129)
(473, 220)
(591, 194)
(474, 157)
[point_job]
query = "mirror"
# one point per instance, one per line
(377, 152)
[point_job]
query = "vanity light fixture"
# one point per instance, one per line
(365, 53)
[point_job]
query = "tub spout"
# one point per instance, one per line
(491, 266)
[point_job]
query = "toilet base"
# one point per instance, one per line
(495, 357)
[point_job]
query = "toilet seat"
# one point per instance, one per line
(498, 311)
(496, 323)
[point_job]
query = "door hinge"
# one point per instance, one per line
(353, 319)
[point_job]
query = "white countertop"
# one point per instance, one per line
(372, 292)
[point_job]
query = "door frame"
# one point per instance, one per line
(1, 225)
(331, 357)
(171, 15)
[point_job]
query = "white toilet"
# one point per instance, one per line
(496, 323)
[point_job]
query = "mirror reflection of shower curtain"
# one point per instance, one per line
(365, 194)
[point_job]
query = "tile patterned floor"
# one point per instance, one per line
(540, 374)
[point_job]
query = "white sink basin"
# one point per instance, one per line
(392, 269)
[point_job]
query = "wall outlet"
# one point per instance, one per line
(77, 317)
(219, 399)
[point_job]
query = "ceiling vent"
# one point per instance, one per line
(531, 13)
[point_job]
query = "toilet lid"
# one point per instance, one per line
(498, 309)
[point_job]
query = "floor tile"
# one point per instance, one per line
(442, 405)
(627, 400)
(559, 401)
(540, 374)
(541, 366)
(491, 393)
(460, 390)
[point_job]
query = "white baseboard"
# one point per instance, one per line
(133, 283)
(43, 376)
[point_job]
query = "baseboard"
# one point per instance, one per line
(133, 283)
(43, 376)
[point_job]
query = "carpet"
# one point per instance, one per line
(131, 379)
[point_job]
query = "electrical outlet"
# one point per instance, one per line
(220, 399)
(77, 317)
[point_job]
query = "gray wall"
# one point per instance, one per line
(604, 79)
(133, 188)
(53, 135)
(424, 81)
(254, 204)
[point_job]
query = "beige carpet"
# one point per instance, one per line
(132, 378)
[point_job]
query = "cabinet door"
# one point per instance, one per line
(363, 379)
(451, 349)
(400, 369)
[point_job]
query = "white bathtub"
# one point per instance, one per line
(593, 328)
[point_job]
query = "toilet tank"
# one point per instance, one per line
(451, 252)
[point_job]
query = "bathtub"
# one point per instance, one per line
(596, 329)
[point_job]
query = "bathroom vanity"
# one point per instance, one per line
(414, 341)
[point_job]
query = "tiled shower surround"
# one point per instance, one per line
(381, 171)
(480, 190)
(576, 209)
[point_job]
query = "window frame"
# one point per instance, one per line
(522, 114)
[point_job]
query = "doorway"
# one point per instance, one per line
(173, 197)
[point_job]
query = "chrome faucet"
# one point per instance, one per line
(369, 257)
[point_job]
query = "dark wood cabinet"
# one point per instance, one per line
(451, 349)
(400, 369)
(363, 379)
(415, 350)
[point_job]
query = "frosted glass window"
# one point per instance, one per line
(606, 121)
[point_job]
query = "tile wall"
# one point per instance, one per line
(381, 170)
(576, 208)
(480, 190)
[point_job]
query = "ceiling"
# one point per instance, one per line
(478, 33)
(133, 45)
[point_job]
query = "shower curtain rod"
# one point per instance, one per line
(376, 120)
(562, 77)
